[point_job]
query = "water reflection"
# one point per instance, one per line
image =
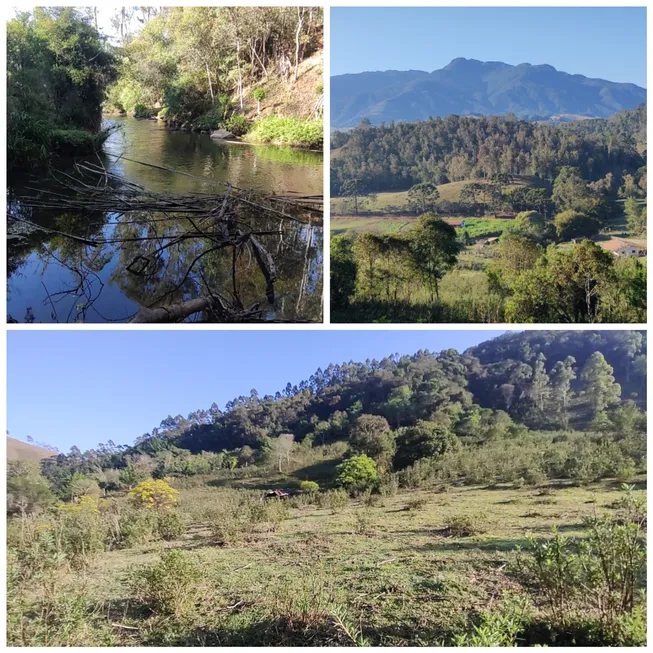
(53, 278)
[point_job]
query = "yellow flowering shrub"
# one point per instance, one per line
(153, 494)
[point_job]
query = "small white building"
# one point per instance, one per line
(624, 248)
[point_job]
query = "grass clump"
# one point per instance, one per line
(288, 131)
(467, 525)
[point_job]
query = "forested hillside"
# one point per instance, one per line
(471, 87)
(556, 380)
(210, 67)
(434, 250)
(454, 148)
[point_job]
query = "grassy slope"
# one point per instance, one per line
(17, 450)
(449, 192)
(404, 579)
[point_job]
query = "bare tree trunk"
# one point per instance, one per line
(240, 74)
(265, 71)
(208, 74)
(300, 22)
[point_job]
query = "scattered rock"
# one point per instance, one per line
(221, 135)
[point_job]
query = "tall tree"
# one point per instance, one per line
(435, 251)
(562, 374)
(599, 385)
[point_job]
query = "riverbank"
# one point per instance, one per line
(292, 132)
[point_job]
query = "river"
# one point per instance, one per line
(55, 279)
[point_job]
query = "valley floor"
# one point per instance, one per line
(392, 573)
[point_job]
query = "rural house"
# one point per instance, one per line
(625, 248)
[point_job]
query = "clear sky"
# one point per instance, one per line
(81, 388)
(604, 42)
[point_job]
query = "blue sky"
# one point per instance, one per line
(80, 388)
(605, 42)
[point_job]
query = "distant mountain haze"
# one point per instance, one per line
(470, 87)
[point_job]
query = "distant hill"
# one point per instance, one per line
(470, 87)
(17, 450)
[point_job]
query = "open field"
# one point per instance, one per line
(398, 201)
(390, 573)
(350, 225)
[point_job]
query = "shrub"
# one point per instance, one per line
(389, 485)
(288, 131)
(141, 111)
(363, 522)
(153, 494)
(237, 125)
(417, 503)
(170, 525)
(334, 500)
(369, 499)
(27, 489)
(68, 142)
(357, 474)
(534, 476)
(310, 487)
(168, 586)
(467, 525)
(83, 530)
(210, 120)
(600, 575)
(135, 527)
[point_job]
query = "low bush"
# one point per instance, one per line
(209, 120)
(600, 577)
(466, 525)
(154, 494)
(363, 522)
(417, 503)
(237, 125)
(334, 500)
(134, 527)
(170, 525)
(169, 585)
(310, 487)
(141, 111)
(288, 131)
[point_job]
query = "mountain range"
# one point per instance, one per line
(470, 87)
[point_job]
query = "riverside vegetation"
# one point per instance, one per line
(245, 69)
(489, 220)
(494, 497)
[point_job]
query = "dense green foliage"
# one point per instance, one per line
(288, 131)
(397, 156)
(58, 69)
(196, 64)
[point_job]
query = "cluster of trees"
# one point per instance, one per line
(191, 61)
(58, 70)
(395, 411)
(530, 279)
(398, 156)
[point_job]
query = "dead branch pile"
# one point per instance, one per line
(222, 220)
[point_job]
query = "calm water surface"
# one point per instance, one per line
(53, 279)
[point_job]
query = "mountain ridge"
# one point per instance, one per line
(473, 87)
